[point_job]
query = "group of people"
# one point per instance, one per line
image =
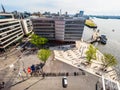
(31, 69)
(35, 69)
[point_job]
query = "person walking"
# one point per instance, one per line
(20, 75)
(25, 72)
(29, 70)
(33, 69)
(43, 75)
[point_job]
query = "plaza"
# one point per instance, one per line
(65, 60)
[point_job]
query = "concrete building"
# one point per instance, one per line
(73, 29)
(10, 30)
(44, 27)
(27, 26)
(59, 28)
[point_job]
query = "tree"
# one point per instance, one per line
(37, 40)
(43, 40)
(91, 53)
(109, 60)
(44, 54)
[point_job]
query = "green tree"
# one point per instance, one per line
(109, 60)
(91, 53)
(37, 40)
(43, 40)
(44, 54)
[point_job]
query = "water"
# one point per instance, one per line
(106, 27)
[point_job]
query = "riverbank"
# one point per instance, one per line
(106, 26)
(76, 57)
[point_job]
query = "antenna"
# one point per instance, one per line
(3, 8)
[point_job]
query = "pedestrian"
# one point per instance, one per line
(3, 84)
(20, 75)
(29, 70)
(33, 69)
(25, 72)
(43, 75)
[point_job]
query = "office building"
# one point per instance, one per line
(59, 28)
(73, 29)
(44, 27)
(10, 30)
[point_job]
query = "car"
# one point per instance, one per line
(64, 82)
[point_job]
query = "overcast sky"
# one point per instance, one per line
(71, 6)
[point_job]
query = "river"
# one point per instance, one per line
(106, 27)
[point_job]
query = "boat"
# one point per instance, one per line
(102, 39)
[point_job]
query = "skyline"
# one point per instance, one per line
(102, 7)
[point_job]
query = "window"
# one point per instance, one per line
(5, 16)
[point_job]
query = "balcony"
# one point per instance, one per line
(11, 38)
(14, 33)
(10, 30)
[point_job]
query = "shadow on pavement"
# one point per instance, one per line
(19, 82)
(33, 84)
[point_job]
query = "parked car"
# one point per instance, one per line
(64, 82)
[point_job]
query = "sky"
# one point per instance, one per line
(94, 7)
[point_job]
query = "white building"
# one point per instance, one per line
(10, 30)
(27, 26)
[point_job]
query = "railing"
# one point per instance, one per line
(106, 84)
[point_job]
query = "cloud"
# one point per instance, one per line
(72, 6)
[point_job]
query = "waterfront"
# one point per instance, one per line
(110, 28)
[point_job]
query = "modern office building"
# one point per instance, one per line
(73, 29)
(60, 28)
(44, 27)
(10, 30)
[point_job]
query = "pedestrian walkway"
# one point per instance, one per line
(27, 60)
(8, 59)
(76, 57)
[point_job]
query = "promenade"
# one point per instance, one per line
(76, 57)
